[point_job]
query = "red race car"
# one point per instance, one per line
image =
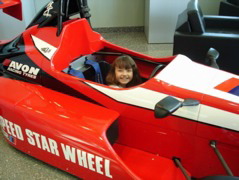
(182, 122)
(12, 8)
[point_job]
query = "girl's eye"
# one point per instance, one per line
(129, 70)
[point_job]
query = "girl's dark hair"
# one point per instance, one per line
(126, 62)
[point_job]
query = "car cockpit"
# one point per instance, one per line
(89, 68)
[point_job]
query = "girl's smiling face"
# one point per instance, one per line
(123, 75)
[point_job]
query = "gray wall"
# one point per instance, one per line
(40, 3)
(105, 13)
(112, 13)
(210, 7)
(161, 18)
(117, 13)
(11, 27)
(123, 13)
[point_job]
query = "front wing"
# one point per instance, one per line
(12, 8)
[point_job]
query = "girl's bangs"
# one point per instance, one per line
(124, 64)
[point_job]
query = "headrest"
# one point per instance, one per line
(235, 2)
(195, 17)
(182, 22)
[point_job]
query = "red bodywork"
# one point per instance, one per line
(73, 132)
(12, 8)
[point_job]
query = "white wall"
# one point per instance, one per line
(117, 13)
(123, 13)
(209, 7)
(161, 18)
(112, 13)
(105, 13)
(40, 3)
(11, 27)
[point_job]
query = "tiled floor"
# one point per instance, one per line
(17, 165)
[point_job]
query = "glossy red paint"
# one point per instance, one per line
(66, 131)
(158, 167)
(53, 129)
(12, 8)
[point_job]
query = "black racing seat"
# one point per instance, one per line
(229, 8)
(91, 70)
(105, 67)
(88, 72)
(85, 72)
(196, 33)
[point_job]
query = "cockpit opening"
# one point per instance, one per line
(95, 67)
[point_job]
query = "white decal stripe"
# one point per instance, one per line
(184, 73)
(45, 48)
(219, 117)
(145, 98)
(137, 96)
